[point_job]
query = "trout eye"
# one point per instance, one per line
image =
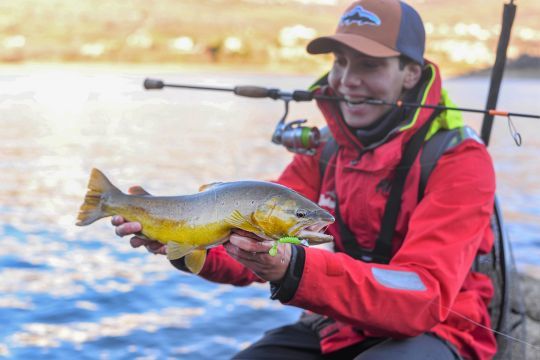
(300, 213)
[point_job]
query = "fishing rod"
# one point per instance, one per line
(304, 139)
(508, 306)
(304, 95)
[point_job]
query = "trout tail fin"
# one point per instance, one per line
(92, 209)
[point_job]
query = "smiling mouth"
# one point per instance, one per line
(356, 102)
(362, 101)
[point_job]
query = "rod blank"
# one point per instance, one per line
(303, 95)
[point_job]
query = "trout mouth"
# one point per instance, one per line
(312, 227)
(314, 233)
(315, 237)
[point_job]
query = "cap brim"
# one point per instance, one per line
(359, 43)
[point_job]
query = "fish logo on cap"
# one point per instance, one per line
(359, 16)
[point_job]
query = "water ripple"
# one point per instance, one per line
(52, 335)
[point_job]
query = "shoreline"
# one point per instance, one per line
(532, 74)
(168, 67)
(229, 68)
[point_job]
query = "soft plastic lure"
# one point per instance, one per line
(286, 239)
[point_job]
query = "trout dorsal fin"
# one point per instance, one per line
(209, 186)
(239, 221)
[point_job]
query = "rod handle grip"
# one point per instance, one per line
(253, 91)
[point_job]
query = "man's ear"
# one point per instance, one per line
(413, 72)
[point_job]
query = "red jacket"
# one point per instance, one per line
(428, 285)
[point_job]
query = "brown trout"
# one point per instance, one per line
(190, 224)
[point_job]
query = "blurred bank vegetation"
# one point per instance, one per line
(247, 34)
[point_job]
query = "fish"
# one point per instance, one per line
(190, 224)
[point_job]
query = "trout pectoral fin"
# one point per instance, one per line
(195, 261)
(209, 186)
(239, 221)
(176, 250)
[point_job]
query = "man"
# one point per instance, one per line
(422, 301)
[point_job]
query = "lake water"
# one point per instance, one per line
(69, 292)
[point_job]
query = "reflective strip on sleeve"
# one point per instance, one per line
(401, 280)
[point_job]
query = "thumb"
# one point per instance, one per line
(137, 190)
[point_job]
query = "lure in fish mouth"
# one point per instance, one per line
(313, 229)
(190, 224)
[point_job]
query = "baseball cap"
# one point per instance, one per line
(378, 28)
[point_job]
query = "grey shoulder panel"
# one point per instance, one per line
(437, 145)
(468, 133)
(445, 140)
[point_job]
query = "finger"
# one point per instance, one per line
(137, 190)
(153, 245)
(245, 256)
(248, 259)
(247, 234)
(161, 249)
(137, 241)
(117, 220)
(128, 228)
(250, 245)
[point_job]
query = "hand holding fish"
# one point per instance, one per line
(253, 252)
(124, 228)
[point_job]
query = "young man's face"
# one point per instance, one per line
(357, 77)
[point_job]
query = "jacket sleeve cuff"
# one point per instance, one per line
(180, 264)
(286, 289)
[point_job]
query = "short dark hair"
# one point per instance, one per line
(405, 60)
